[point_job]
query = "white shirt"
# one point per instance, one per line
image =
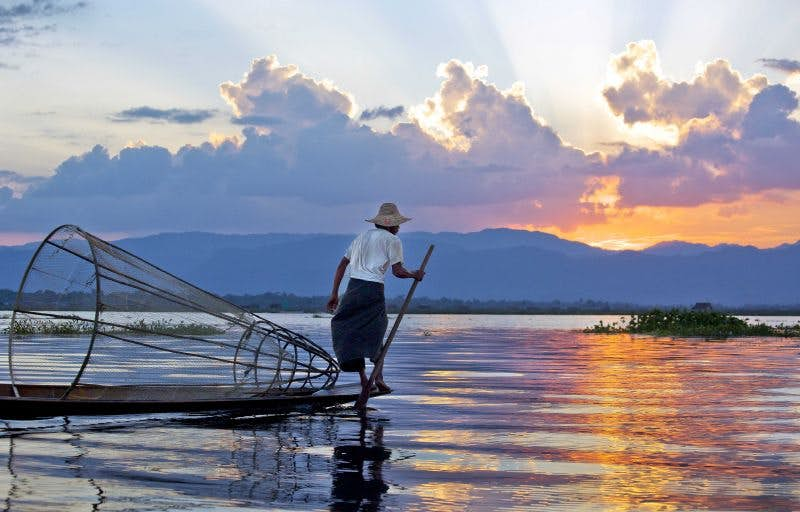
(372, 253)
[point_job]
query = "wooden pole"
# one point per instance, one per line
(361, 403)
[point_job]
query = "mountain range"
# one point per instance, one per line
(490, 264)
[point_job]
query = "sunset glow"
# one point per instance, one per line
(761, 220)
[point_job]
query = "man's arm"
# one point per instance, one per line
(333, 302)
(400, 271)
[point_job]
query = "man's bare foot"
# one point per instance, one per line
(383, 387)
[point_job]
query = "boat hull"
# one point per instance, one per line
(34, 407)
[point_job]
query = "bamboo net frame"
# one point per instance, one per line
(90, 314)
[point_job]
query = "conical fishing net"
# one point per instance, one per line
(92, 318)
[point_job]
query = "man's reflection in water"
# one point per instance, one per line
(351, 489)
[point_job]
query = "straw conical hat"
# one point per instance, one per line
(388, 215)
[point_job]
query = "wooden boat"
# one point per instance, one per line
(44, 401)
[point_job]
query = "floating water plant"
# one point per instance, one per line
(30, 327)
(180, 328)
(74, 327)
(682, 322)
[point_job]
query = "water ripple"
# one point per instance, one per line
(489, 413)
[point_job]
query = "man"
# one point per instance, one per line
(360, 321)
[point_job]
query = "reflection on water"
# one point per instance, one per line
(185, 463)
(498, 415)
(351, 490)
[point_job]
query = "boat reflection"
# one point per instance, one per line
(196, 464)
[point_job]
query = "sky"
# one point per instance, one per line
(619, 124)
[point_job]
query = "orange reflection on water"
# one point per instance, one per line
(609, 422)
(670, 411)
(443, 496)
(620, 363)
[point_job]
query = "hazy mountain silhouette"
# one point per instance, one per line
(489, 264)
(677, 248)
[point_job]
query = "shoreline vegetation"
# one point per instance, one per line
(290, 303)
(687, 323)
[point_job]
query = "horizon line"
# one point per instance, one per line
(28, 238)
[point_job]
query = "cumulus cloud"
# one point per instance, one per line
(315, 158)
(787, 65)
(389, 113)
(283, 93)
(762, 152)
(736, 135)
(16, 182)
(171, 115)
(491, 126)
(256, 120)
(493, 137)
(639, 92)
(472, 154)
(768, 115)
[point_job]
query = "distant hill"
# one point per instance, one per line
(493, 264)
(676, 248)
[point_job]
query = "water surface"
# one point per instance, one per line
(489, 412)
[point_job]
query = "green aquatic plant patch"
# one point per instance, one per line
(29, 327)
(683, 322)
(180, 328)
(76, 327)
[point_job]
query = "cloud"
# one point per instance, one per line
(271, 91)
(768, 115)
(497, 146)
(639, 92)
(389, 113)
(16, 182)
(172, 115)
(787, 65)
(256, 120)
(735, 135)
(11, 35)
(471, 155)
(3, 65)
(36, 8)
(23, 21)
(733, 210)
(488, 125)
(760, 153)
(316, 159)
(6, 193)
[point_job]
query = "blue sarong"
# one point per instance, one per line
(359, 324)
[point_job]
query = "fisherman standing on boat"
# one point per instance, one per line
(360, 320)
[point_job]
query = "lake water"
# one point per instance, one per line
(488, 413)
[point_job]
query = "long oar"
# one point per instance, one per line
(361, 403)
